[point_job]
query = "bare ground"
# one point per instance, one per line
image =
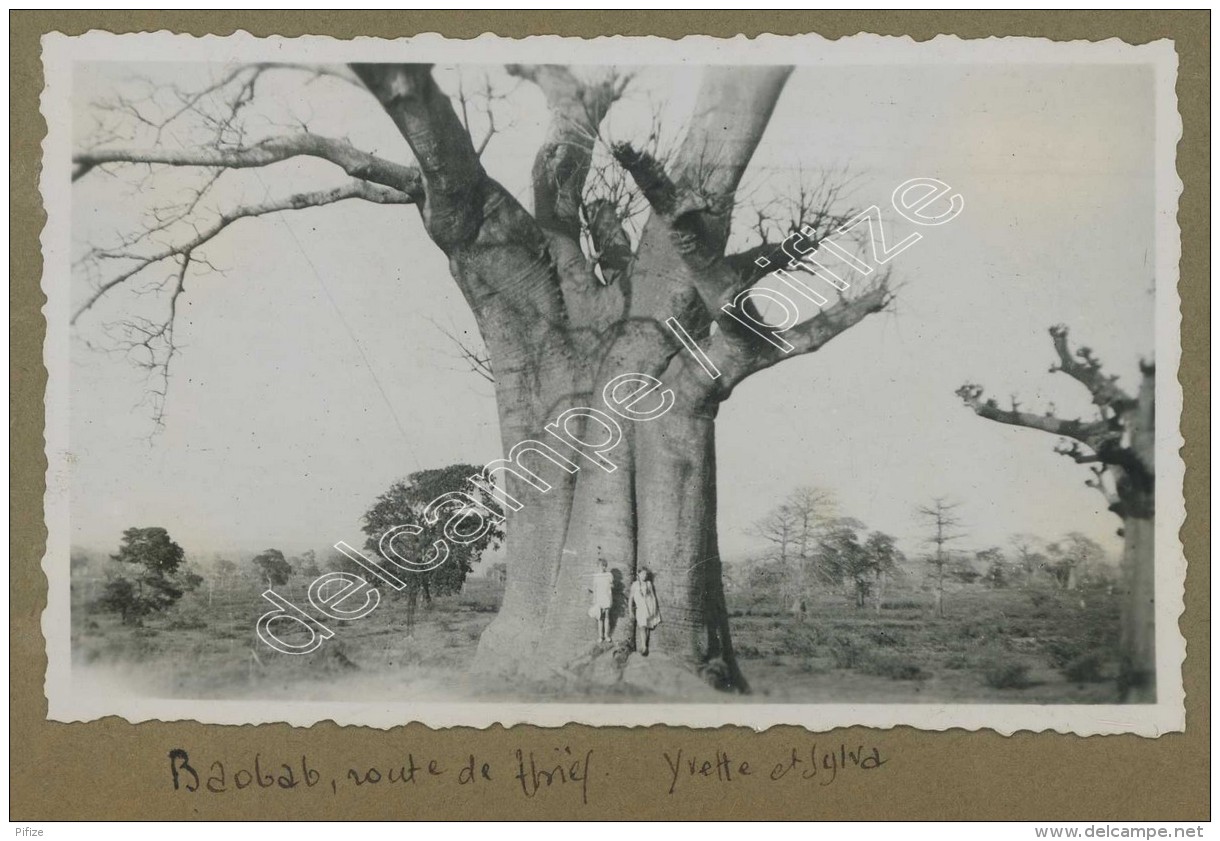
(1003, 646)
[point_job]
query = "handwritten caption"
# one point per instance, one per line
(531, 773)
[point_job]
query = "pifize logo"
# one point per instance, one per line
(589, 435)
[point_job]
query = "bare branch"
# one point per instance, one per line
(478, 361)
(353, 190)
(351, 160)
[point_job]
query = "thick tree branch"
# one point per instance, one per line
(454, 179)
(1118, 447)
(1092, 434)
(342, 154)
(562, 163)
(732, 111)
(693, 227)
(473, 219)
(498, 254)
(1085, 368)
(698, 190)
(738, 359)
(560, 172)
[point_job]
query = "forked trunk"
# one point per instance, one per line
(657, 509)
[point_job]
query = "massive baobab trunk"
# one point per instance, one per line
(1120, 445)
(565, 303)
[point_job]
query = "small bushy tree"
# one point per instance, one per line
(225, 572)
(404, 504)
(306, 565)
(858, 564)
(146, 575)
(882, 550)
(273, 567)
(1072, 558)
(994, 566)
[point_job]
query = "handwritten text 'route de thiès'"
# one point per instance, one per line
(528, 771)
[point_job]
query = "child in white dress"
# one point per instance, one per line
(603, 598)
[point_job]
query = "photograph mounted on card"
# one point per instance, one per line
(509, 381)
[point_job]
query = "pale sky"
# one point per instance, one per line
(312, 374)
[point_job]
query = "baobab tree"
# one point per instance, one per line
(1119, 447)
(565, 298)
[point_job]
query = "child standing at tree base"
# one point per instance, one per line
(603, 598)
(645, 606)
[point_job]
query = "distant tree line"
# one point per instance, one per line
(810, 548)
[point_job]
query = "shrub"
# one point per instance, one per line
(1039, 599)
(886, 664)
(187, 622)
(1006, 673)
(1062, 652)
(800, 639)
(1022, 644)
(1084, 669)
(957, 660)
(846, 652)
(983, 631)
(885, 638)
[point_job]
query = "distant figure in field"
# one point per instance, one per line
(603, 597)
(644, 604)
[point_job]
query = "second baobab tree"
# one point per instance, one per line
(1119, 448)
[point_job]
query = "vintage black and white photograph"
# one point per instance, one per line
(619, 381)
